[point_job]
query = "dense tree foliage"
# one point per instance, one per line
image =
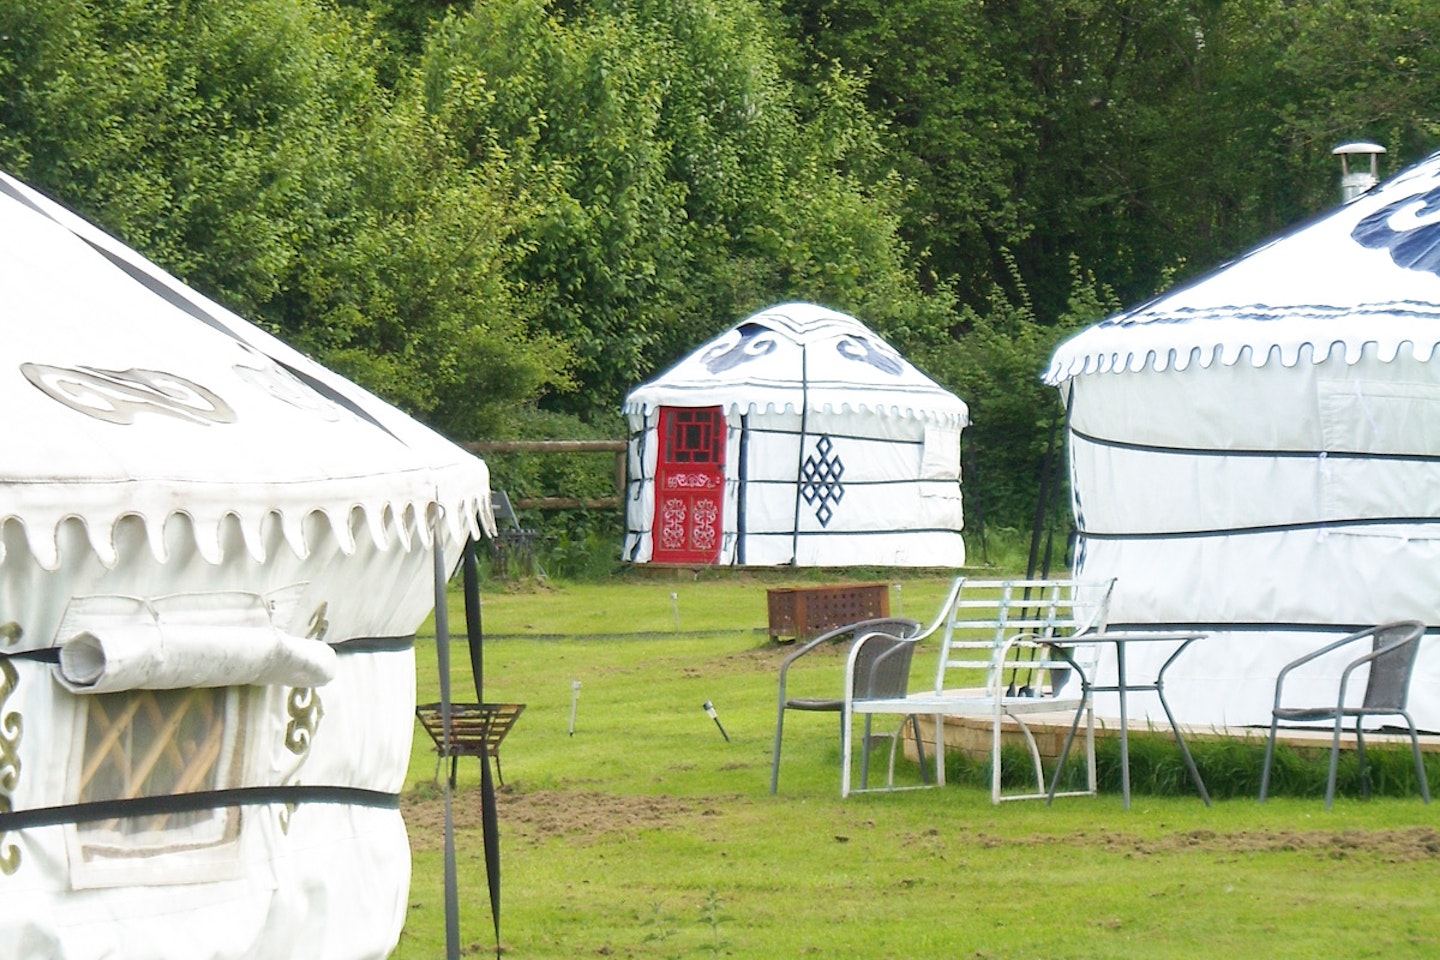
(248, 148)
(501, 214)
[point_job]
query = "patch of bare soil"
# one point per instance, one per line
(1387, 846)
(542, 814)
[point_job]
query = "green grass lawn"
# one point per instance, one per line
(647, 834)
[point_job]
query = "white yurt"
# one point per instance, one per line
(214, 555)
(797, 437)
(1257, 454)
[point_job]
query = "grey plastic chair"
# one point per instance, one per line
(886, 647)
(1391, 660)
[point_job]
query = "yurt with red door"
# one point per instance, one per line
(798, 437)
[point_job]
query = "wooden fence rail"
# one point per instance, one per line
(617, 447)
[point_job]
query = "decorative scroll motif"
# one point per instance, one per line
(1408, 229)
(10, 728)
(672, 523)
(692, 481)
(749, 341)
(319, 622)
(704, 532)
(303, 704)
(820, 481)
(117, 396)
(284, 386)
(864, 350)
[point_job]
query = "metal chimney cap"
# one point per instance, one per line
(1359, 146)
(1354, 183)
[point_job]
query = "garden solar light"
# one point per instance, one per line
(574, 702)
(710, 709)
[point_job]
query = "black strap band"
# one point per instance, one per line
(43, 655)
(1302, 525)
(375, 645)
(190, 802)
(1256, 453)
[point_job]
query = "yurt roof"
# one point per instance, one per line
(1364, 277)
(799, 356)
(131, 395)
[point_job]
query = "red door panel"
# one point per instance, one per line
(689, 485)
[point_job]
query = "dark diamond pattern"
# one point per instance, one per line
(820, 481)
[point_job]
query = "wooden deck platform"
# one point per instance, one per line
(972, 736)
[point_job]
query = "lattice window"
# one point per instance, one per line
(155, 743)
(695, 435)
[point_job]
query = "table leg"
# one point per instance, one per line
(1179, 737)
(1065, 750)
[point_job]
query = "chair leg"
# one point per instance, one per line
(865, 755)
(1269, 756)
(897, 740)
(1419, 761)
(995, 757)
(775, 762)
(1034, 756)
(1334, 763)
(939, 750)
(846, 747)
(919, 746)
(1092, 779)
(1360, 753)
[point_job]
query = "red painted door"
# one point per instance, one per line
(689, 485)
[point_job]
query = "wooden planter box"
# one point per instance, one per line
(803, 612)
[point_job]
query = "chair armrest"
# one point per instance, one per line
(859, 629)
(850, 629)
(1314, 654)
(945, 610)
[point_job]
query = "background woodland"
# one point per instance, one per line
(501, 215)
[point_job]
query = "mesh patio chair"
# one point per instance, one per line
(878, 665)
(1391, 661)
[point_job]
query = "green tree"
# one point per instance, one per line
(680, 187)
(247, 147)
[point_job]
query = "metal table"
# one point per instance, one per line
(1124, 688)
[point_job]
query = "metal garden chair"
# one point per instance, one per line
(878, 665)
(1391, 661)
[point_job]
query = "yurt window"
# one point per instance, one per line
(940, 459)
(148, 743)
(694, 435)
